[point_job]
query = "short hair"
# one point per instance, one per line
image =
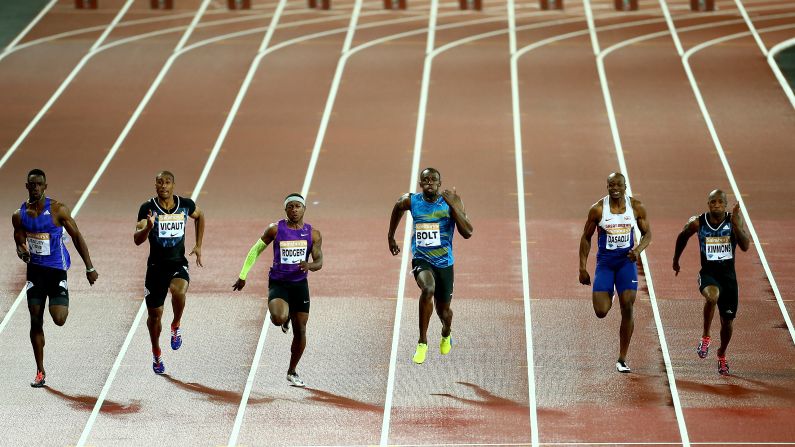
(617, 174)
(720, 192)
(432, 171)
(168, 173)
(37, 172)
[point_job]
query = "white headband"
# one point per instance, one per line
(294, 198)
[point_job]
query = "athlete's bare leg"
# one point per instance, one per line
(602, 302)
(627, 301)
(427, 285)
(711, 295)
(446, 315)
(279, 310)
(155, 326)
(299, 320)
(726, 330)
(37, 334)
(178, 289)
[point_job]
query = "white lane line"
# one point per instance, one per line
(771, 60)
(751, 26)
(42, 112)
(727, 168)
(520, 196)
(66, 82)
(404, 259)
(128, 340)
(13, 44)
(680, 419)
(672, 27)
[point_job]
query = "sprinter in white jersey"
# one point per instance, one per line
(616, 217)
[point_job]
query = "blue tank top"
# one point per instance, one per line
(717, 244)
(290, 247)
(432, 239)
(45, 239)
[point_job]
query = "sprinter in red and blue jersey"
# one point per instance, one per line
(436, 216)
(616, 216)
(719, 233)
(294, 241)
(38, 232)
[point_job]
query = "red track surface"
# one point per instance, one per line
(479, 394)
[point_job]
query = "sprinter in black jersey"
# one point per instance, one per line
(162, 220)
(719, 233)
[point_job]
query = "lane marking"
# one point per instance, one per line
(142, 309)
(13, 44)
(66, 82)
(520, 197)
(680, 419)
(415, 163)
(771, 60)
(751, 26)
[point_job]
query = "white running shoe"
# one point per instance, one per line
(622, 367)
(295, 380)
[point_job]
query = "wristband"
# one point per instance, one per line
(91, 270)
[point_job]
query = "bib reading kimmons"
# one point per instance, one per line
(718, 248)
(171, 225)
(427, 234)
(293, 252)
(39, 243)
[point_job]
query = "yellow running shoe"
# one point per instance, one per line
(419, 354)
(446, 344)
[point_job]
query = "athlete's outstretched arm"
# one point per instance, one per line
(645, 230)
(458, 213)
(143, 227)
(594, 215)
(19, 237)
(691, 228)
(64, 216)
(253, 254)
(198, 220)
(738, 227)
(402, 205)
(317, 254)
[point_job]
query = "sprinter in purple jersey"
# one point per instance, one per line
(616, 216)
(719, 233)
(436, 215)
(294, 241)
(38, 233)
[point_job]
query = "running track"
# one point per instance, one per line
(347, 105)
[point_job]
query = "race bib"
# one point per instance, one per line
(618, 236)
(427, 235)
(718, 248)
(293, 252)
(171, 226)
(39, 243)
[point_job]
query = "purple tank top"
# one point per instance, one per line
(290, 248)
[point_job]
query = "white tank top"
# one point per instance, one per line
(617, 229)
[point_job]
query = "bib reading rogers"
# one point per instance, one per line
(293, 252)
(427, 235)
(718, 248)
(618, 236)
(171, 225)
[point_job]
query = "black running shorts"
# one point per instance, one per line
(727, 291)
(296, 293)
(46, 282)
(442, 277)
(158, 280)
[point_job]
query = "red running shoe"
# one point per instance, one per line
(703, 347)
(39, 381)
(723, 367)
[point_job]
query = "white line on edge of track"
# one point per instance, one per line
(10, 47)
(680, 419)
(520, 196)
(751, 26)
(117, 363)
(771, 60)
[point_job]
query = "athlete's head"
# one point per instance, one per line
(430, 181)
(164, 185)
(616, 185)
(294, 207)
(717, 202)
(36, 184)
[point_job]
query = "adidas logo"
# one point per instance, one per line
(46, 212)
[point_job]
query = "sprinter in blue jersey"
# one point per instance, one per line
(436, 215)
(616, 216)
(38, 233)
(162, 220)
(719, 233)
